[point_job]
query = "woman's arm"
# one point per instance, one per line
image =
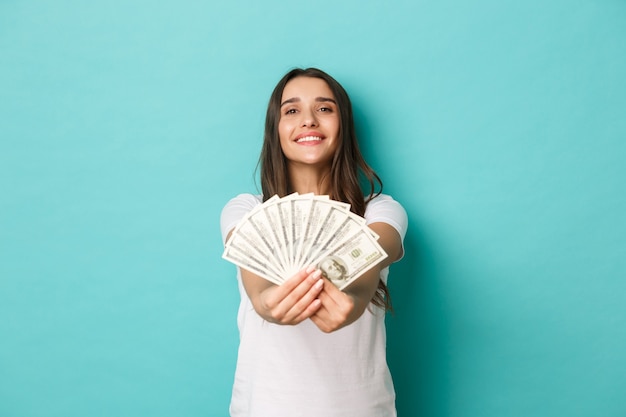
(341, 308)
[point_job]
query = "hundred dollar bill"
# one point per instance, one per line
(276, 228)
(285, 208)
(351, 259)
(300, 210)
(248, 246)
(282, 235)
(339, 225)
(256, 224)
(318, 212)
(252, 263)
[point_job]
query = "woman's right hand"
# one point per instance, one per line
(292, 302)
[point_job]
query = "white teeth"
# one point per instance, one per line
(308, 139)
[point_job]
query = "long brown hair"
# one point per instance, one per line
(348, 169)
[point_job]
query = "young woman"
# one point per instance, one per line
(307, 348)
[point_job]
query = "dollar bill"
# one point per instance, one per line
(251, 263)
(247, 246)
(283, 235)
(352, 258)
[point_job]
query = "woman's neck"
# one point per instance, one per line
(308, 179)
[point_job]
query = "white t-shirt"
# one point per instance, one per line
(299, 371)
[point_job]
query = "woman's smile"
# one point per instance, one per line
(311, 138)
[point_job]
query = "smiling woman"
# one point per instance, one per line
(307, 348)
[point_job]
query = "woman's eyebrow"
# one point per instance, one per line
(297, 99)
(290, 100)
(324, 99)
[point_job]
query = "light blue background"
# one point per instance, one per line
(125, 126)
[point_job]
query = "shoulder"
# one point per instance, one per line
(235, 209)
(382, 203)
(244, 200)
(383, 208)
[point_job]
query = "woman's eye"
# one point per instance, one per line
(291, 111)
(326, 109)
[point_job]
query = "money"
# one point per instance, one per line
(283, 235)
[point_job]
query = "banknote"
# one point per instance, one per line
(283, 235)
(349, 260)
(251, 263)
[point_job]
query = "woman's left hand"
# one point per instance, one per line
(338, 309)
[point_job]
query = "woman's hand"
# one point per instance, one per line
(290, 303)
(343, 307)
(337, 309)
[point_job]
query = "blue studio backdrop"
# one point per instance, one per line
(125, 126)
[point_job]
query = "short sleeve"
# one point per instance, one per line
(383, 208)
(235, 210)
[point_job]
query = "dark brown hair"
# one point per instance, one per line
(348, 169)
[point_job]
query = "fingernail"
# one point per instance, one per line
(316, 274)
(310, 269)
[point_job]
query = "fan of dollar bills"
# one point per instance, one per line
(283, 235)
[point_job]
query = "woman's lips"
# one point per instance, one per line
(305, 139)
(309, 137)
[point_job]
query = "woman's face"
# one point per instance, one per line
(309, 122)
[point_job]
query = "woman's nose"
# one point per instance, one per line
(308, 119)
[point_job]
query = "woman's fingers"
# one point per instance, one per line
(294, 300)
(335, 310)
(308, 304)
(280, 292)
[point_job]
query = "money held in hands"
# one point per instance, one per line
(283, 235)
